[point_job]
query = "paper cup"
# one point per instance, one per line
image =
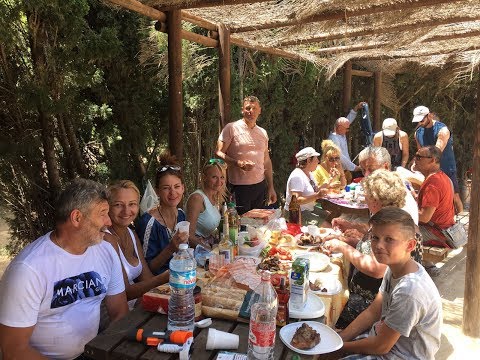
(221, 340)
(183, 226)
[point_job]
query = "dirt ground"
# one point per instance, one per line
(450, 283)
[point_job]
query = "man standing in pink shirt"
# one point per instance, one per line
(244, 147)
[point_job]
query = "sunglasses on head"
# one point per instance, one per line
(216, 161)
(332, 159)
(169, 167)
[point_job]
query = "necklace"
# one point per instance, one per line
(125, 245)
(170, 232)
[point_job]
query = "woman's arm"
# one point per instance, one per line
(146, 279)
(195, 206)
(405, 148)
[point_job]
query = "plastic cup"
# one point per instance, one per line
(183, 226)
(313, 230)
(221, 340)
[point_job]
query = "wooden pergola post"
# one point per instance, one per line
(377, 101)
(347, 87)
(224, 93)
(175, 96)
(471, 304)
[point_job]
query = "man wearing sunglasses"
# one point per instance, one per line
(339, 137)
(243, 145)
(434, 132)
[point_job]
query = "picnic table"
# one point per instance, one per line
(112, 342)
(338, 206)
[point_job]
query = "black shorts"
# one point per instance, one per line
(249, 197)
(453, 176)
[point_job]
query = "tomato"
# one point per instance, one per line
(283, 254)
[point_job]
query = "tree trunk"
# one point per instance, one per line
(75, 149)
(38, 41)
(62, 138)
(48, 142)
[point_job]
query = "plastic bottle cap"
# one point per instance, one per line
(183, 246)
(180, 337)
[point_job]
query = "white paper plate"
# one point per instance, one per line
(333, 286)
(314, 308)
(329, 340)
(318, 261)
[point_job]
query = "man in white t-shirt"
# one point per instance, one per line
(51, 292)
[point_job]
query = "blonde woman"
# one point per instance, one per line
(203, 204)
(124, 199)
(330, 168)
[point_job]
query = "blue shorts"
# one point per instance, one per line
(453, 176)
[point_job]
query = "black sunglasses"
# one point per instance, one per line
(332, 159)
(169, 167)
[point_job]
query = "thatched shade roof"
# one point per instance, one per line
(331, 32)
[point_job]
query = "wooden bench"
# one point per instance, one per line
(434, 254)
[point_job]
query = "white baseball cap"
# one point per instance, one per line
(389, 126)
(306, 153)
(419, 113)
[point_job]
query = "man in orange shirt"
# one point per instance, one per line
(244, 147)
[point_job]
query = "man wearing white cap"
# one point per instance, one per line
(395, 141)
(301, 183)
(434, 132)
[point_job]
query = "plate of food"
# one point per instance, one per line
(310, 338)
(324, 286)
(306, 241)
(318, 261)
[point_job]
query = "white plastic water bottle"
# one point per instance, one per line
(183, 277)
(263, 314)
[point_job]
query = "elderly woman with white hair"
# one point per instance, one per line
(301, 184)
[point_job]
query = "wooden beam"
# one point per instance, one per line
(188, 35)
(379, 30)
(346, 48)
(224, 70)
(140, 8)
(362, 73)
(191, 4)
(265, 49)
(388, 56)
(377, 101)
(361, 47)
(199, 39)
(347, 87)
(175, 96)
(196, 20)
(471, 302)
(342, 14)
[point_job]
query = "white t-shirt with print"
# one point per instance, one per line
(60, 293)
